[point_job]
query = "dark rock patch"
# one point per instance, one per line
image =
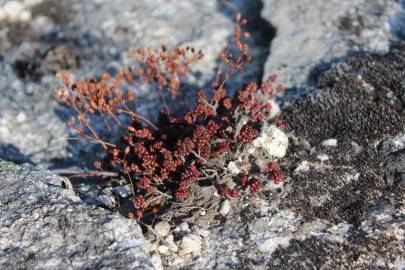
(60, 12)
(356, 185)
(360, 100)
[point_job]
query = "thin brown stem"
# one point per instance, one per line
(228, 5)
(137, 116)
(84, 173)
(97, 138)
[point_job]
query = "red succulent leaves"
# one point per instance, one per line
(275, 173)
(170, 156)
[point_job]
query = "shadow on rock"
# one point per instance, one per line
(11, 153)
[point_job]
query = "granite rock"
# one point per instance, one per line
(44, 226)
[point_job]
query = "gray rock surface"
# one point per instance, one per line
(44, 226)
(312, 34)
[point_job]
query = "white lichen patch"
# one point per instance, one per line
(272, 141)
(337, 233)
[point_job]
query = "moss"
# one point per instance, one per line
(6, 165)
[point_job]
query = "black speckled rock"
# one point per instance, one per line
(360, 100)
(356, 187)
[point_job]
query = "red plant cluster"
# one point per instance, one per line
(164, 160)
(276, 174)
(182, 148)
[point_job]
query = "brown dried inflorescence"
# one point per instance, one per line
(164, 160)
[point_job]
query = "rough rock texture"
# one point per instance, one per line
(311, 34)
(43, 226)
(342, 206)
(360, 100)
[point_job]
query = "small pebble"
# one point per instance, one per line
(84, 188)
(323, 157)
(4, 132)
(170, 242)
(123, 191)
(107, 201)
(305, 144)
(225, 208)
(275, 109)
(302, 167)
(21, 117)
(190, 244)
(12, 10)
(162, 228)
(262, 164)
(108, 191)
(25, 16)
(357, 148)
(329, 143)
(184, 227)
(233, 169)
(163, 249)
